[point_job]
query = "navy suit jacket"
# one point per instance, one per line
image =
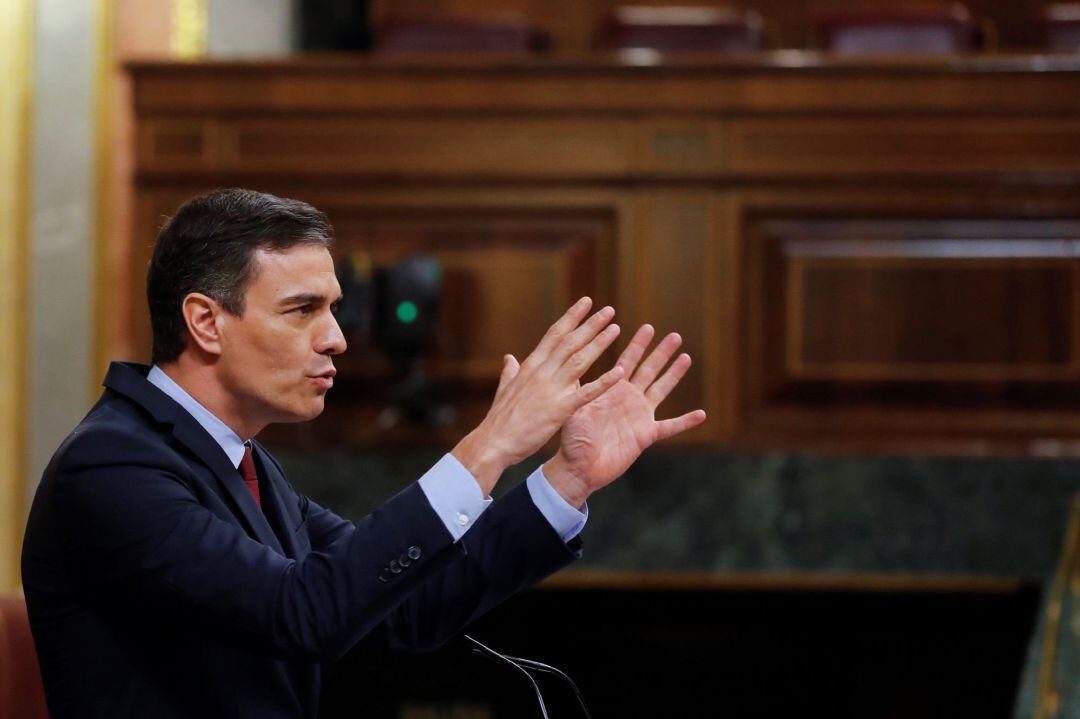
(157, 588)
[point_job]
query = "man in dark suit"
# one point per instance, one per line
(170, 568)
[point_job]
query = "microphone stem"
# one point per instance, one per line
(492, 654)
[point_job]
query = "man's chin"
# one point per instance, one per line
(293, 416)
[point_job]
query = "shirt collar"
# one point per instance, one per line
(229, 440)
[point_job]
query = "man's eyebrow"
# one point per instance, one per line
(304, 298)
(307, 298)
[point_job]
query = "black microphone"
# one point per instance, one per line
(523, 665)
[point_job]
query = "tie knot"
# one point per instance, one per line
(247, 466)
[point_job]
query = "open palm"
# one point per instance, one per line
(604, 437)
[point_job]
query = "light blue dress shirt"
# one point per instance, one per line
(451, 489)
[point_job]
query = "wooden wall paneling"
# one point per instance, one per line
(951, 318)
(170, 145)
(513, 262)
(676, 146)
(431, 147)
(549, 147)
(724, 329)
(507, 274)
(675, 276)
(870, 314)
(732, 176)
(815, 146)
(809, 84)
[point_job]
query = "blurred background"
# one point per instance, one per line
(862, 215)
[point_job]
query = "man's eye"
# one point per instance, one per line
(305, 309)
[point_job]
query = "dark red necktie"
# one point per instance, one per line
(247, 471)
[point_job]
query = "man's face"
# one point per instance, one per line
(275, 358)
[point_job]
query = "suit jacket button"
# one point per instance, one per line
(395, 567)
(384, 577)
(404, 560)
(414, 552)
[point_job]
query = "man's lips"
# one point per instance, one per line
(325, 380)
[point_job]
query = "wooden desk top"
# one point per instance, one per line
(786, 81)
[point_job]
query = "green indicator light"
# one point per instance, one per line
(407, 312)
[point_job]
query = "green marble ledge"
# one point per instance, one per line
(711, 512)
(722, 513)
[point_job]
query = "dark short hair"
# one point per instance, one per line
(208, 246)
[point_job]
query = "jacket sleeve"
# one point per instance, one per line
(511, 547)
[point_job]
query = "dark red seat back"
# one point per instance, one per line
(1061, 27)
(682, 29)
(906, 28)
(442, 36)
(21, 692)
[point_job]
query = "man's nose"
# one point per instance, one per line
(331, 340)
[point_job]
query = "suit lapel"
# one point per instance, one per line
(129, 379)
(194, 437)
(274, 485)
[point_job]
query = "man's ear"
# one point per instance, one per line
(202, 316)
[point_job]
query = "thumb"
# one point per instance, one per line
(509, 371)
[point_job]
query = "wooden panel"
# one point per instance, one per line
(816, 146)
(168, 145)
(805, 84)
(944, 323)
(609, 146)
(958, 320)
(672, 146)
(506, 275)
(673, 276)
(512, 264)
(871, 253)
(505, 146)
(439, 147)
(508, 272)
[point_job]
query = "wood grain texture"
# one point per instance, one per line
(861, 255)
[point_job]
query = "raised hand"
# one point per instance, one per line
(537, 397)
(604, 437)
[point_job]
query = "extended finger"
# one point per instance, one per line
(661, 388)
(671, 427)
(580, 337)
(563, 326)
(588, 392)
(655, 362)
(634, 351)
(580, 362)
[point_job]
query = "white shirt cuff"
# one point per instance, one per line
(454, 494)
(565, 519)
